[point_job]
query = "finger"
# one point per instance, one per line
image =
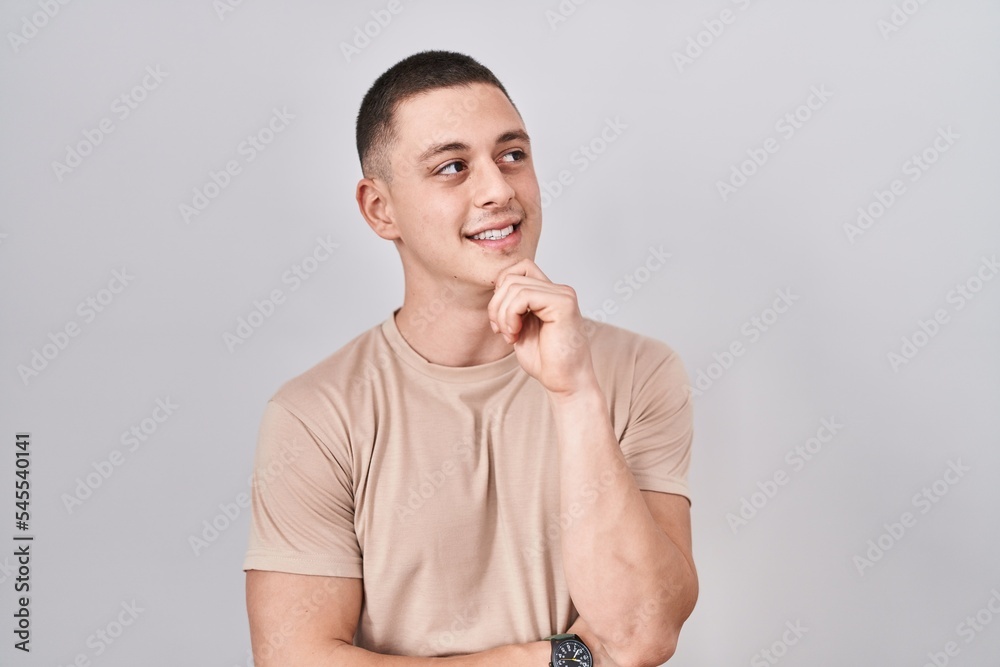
(509, 282)
(543, 300)
(525, 267)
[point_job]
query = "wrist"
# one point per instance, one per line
(534, 653)
(587, 395)
(569, 649)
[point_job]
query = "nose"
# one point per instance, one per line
(491, 186)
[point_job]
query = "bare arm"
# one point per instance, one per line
(627, 556)
(309, 621)
(627, 553)
(673, 521)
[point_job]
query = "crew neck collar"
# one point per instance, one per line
(411, 357)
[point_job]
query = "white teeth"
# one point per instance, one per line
(495, 234)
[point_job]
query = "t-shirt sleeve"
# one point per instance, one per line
(302, 502)
(657, 438)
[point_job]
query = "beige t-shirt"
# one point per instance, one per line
(438, 485)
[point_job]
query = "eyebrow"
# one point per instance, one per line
(437, 149)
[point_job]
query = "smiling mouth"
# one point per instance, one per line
(495, 234)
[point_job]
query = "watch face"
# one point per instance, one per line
(571, 653)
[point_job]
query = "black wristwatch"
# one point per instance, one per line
(570, 651)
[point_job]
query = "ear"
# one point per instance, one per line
(375, 206)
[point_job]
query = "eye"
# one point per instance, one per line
(444, 169)
(520, 155)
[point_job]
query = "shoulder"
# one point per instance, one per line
(615, 344)
(624, 357)
(332, 384)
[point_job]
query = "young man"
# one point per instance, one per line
(485, 468)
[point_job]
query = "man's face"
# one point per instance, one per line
(462, 164)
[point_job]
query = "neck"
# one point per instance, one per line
(451, 328)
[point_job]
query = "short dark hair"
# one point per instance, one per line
(411, 76)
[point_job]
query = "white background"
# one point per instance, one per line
(687, 124)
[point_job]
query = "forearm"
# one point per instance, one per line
(628, 580)
(534, 654)
(309, 621)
